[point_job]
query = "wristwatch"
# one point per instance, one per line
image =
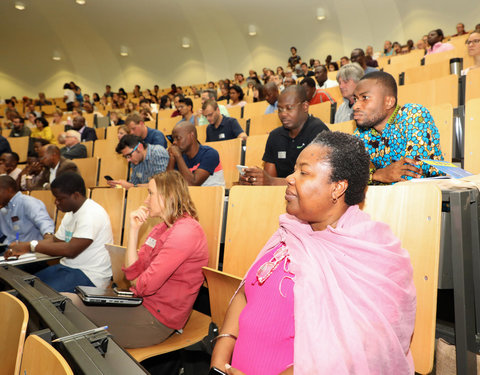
(33, 245)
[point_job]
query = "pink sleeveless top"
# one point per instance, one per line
(266, 324)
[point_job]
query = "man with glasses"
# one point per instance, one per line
(220, 128)
(19, 128)
(146, 160)
(285, 143)
(149, 136)
(209, 94)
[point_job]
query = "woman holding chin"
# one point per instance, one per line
(332, 291)
(166, 271)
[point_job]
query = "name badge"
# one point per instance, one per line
(221, 136)
(151, 242)
(139, 174)
(68, 235)
(282, 154)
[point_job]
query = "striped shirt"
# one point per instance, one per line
(155, 162)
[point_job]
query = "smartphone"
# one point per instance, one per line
(170, 139)
(241, 169)
(123, 292)
(216, 371)
(108, 178)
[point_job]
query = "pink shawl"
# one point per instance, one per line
(354, 296)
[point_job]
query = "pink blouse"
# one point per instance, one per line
(266, 324)
(169, 270)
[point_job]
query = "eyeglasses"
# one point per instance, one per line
(288, 108)
(473, 41)
(267, 268)
(129, 155)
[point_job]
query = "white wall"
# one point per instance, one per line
(89, 38)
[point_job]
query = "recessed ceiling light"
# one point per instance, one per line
(185, 42)
(252, 30)
(19, 5)
(321, 15)
(56, 56)
(123, 51)
(80, 2)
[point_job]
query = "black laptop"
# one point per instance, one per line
(105, 297)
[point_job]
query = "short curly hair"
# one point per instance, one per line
(349, 161)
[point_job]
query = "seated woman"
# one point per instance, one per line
(42, 130)
(473, 46)
(166, 271)
(236, 97)
(332, 291)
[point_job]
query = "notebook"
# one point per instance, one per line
(105, 297)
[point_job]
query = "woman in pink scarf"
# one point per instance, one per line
(332, 291)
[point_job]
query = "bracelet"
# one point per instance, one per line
(224, 335)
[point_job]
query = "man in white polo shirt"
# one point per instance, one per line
(80, 239)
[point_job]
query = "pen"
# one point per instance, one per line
(80, 334)
(17, 237)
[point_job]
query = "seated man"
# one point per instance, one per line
(19, 128)
(198, 164)
(321, 76)
(210, 94)
(146, 160)
(24, 218)
(8, 165)
(285, 143)
(86, 133)
(221, 128)
(185, 107)
(395, 136)
(54, 165)
(347, 77)
(150, 136)
(73, 148)
(358, 56)
(271, 96)
(314, 95)
(80, 239)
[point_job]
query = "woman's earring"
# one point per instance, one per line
(334, 200)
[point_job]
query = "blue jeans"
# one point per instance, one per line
(63, 278)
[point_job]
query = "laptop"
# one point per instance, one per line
(105, 297)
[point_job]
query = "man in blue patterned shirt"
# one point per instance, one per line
(146, 160)
(396, 137)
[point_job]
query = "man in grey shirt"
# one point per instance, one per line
(347, 78)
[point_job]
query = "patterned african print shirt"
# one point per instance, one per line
(412, 134)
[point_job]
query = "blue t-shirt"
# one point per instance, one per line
(229, 128)
(155, 137)
(208, 159)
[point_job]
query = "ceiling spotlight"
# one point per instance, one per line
(321, 14)
(80, 2)
(185, 42)
(252, 30)
(123, 51)
(19, 5)
(56, 56)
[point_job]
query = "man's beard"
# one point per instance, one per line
(371, 122)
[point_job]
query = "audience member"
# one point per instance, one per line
(209, 94)
(42, 100)
(221, 128)
(19, 129)
(185, 107)
(305, 71)
(9, 165)
(165, 102)
(166, 271)
(294, 59)
(387, 48)
(333, 66)
(422, 45)
(285, 143)
(328, 271)
(198, 164)
(314, 95)
(80, 239)
(146, 160)
(73, 148)
(122, 131)
(24, 218)
(116, 118)
(68, 96)
(271, 96)
(396, 137)
(473, 46)
(460, 29)
(358, 56)
(347, 77)
(289, 81)
(31, 173)
(151, 136)
(435, 38)
(236, 97)
(321, 76)
(42, 130)
(176, 102)
(371, 58)
(86, 133)
(397, 49)
(343, 61)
